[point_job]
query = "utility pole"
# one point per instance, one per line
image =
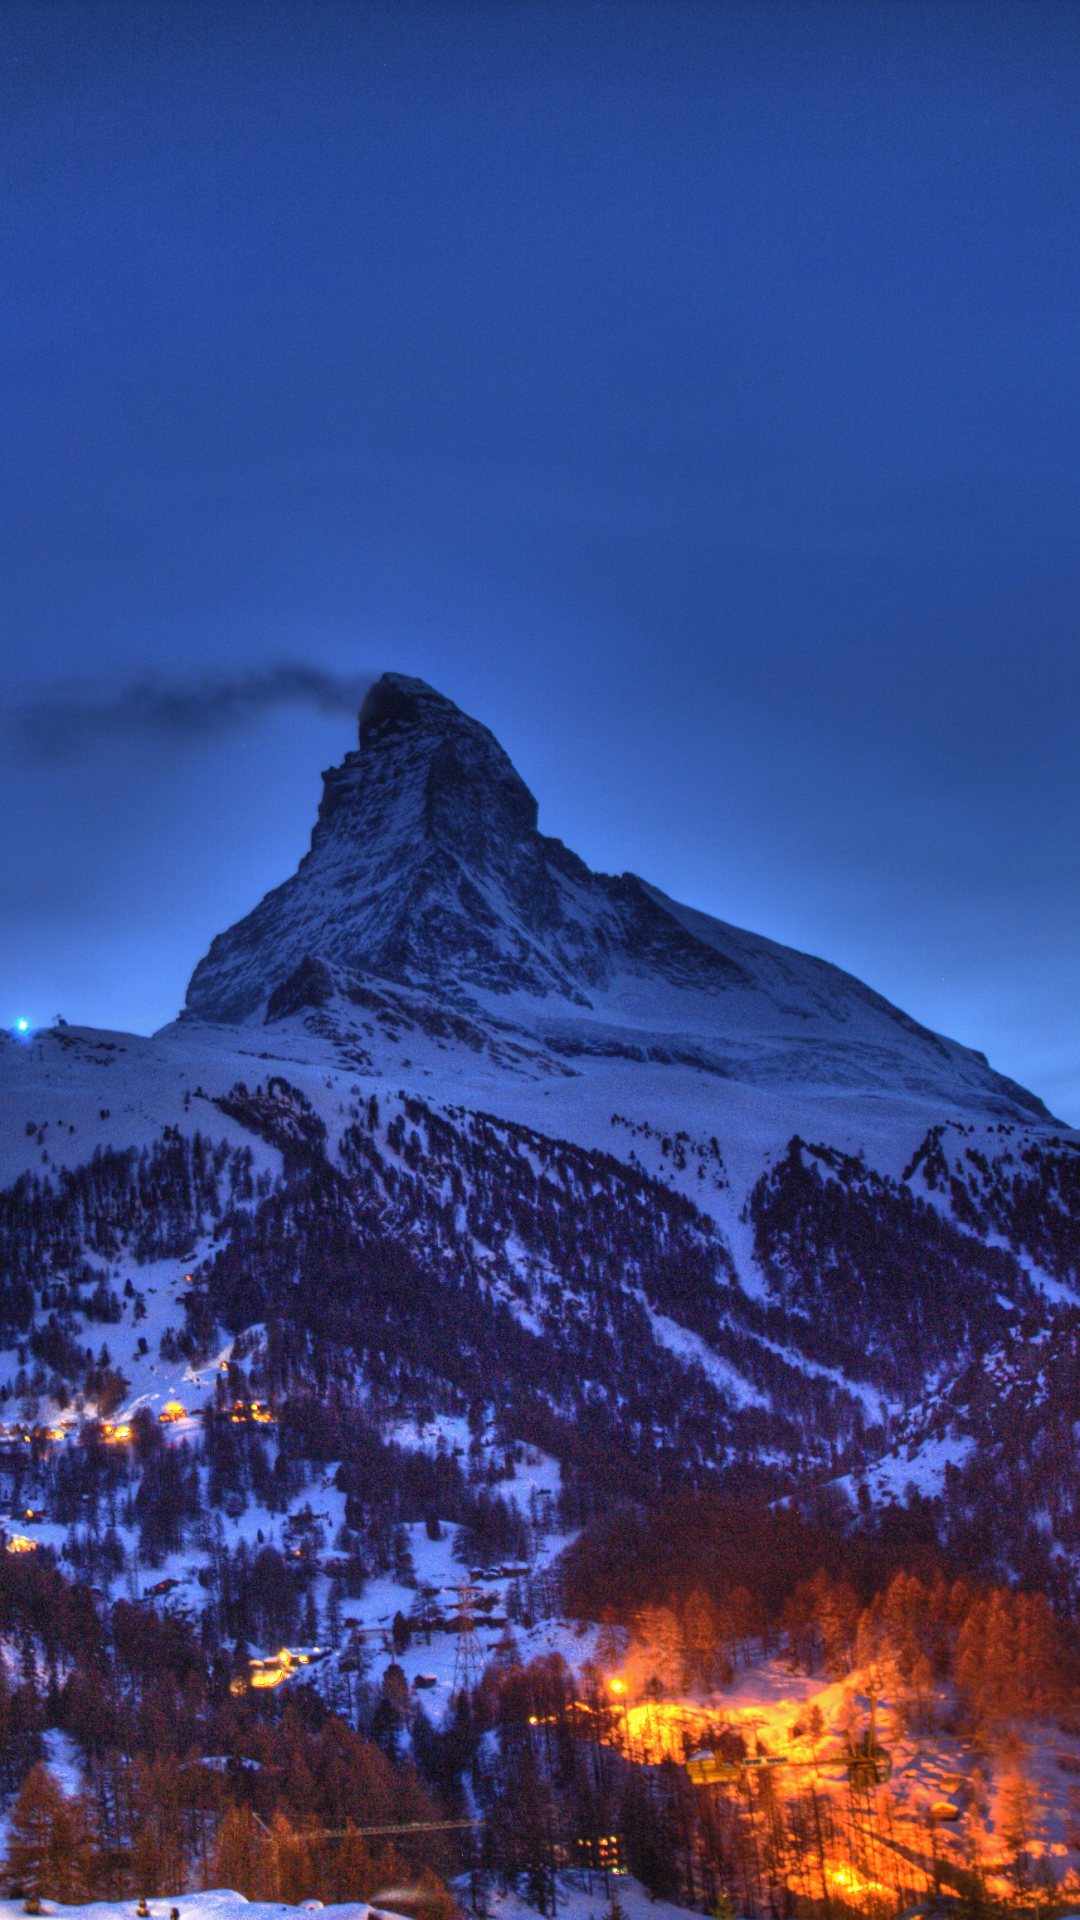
(468, 1658)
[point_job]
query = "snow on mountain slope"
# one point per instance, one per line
(643, 1069)
(427, 876)
(432, 936)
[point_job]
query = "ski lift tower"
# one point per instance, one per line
(468, 1657)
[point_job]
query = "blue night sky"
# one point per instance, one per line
(689, 392)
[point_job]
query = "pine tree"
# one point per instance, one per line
(237, 1861)
(701, 1631)
(50, 1844)
(1017, 1818)
(353, 1867)
(658, 1651)
(293, 1863)
(146, 1860)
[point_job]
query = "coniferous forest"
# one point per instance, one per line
(434, 1263)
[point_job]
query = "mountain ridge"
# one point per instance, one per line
(427, 872)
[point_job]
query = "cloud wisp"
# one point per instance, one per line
(59, 725)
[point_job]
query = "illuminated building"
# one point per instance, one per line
(276, 1667)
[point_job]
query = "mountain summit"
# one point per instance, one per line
(427, 875)
(426, 869)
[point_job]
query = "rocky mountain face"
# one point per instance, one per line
(451, 1122)
(427, 873)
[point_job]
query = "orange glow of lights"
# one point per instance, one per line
(661, 1729)
(272, 1671)
(849, 1880)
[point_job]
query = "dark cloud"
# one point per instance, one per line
(60, 724)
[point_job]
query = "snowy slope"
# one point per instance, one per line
(427, 878)
(434, 944)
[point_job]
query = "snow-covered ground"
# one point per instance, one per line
(220, 1904)
(581, 1897)
(68, 1092)
(577, 1900)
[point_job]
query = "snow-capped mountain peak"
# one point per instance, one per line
(427, 873)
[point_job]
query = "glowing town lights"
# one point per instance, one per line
(660, 1731)
(850, 1880)
(256, 1410)
(276, 1667)
(268, 1676)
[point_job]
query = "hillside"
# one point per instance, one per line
(493, 1249)
(456, 1123)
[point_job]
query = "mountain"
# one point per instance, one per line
(451, 1126)
(427, 875)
